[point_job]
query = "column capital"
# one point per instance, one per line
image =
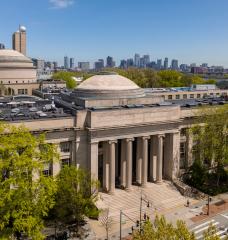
(161, 135)
(145, 137)
(112, 141)
(129, 139)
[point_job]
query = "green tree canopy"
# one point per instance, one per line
(211, 143)
(160, 229)
(26, 195)
(75, 195)
(67, 77)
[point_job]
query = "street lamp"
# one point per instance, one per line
(140, 216)
(123, 214)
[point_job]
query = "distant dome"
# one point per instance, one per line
(22, 28)
(108, 85)
(16, 68)
(10, 58)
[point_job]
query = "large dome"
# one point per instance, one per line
(11, 58)
(15, 68)
(108, 85)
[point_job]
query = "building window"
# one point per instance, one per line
(182, 155)
(170, 97)
(65, 146)
(8, 81)
(185, 96)
(47, 170)
(177, 96)
(65, 162)
(198, 95)
(211, 94)
(191, 95)
(26, 91)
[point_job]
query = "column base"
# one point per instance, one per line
(144, 185)
(111, 192)
(159, 182)
(128, 189)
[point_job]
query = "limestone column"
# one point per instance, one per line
(56, 164)
(139, 161)
(129, 163)
(175, 155)
(112, 160)
(153, 157)
(172, 155)
(144, 160)
(159, 158)
(93, 159)
(123, 164)
(189, 146)
(105, 167)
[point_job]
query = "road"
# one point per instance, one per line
(220, 221)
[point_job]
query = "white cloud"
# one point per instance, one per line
(61, 3)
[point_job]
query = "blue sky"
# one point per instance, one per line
(188, 30)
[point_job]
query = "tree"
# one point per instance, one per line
(75, 197)
(170, 78)
(26, 194)
(107, 222)
(212, 138)
(210, 233)
(67, 77)
(160, 229)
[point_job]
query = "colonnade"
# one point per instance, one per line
(158, 152)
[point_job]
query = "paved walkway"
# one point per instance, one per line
(163, 198)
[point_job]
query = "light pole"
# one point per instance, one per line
(123, 214)
(140, 212)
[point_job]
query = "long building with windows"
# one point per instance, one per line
(118, 131)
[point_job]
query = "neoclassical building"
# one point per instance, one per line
(121, 134)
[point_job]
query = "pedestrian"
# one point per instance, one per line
(188, 203)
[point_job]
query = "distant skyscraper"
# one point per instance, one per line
(66, 62)
(123, 64)
(142, 62)
(84, 66)
(137, 60)
(184, 67)
(166, 63)
(19, 40)
(159, 63)
(110, 63)
(99, 65)
(130, 62)
(174, 64)
(71, 63)
(146, 59)
(55, 64)
(2, 46)
(204, 65)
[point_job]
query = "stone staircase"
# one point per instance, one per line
(162, 197)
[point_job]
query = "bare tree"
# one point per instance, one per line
(106, 221)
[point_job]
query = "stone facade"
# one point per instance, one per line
(121, 145)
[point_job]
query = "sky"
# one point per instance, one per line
(192, 31)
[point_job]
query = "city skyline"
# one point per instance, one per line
(89, 30)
